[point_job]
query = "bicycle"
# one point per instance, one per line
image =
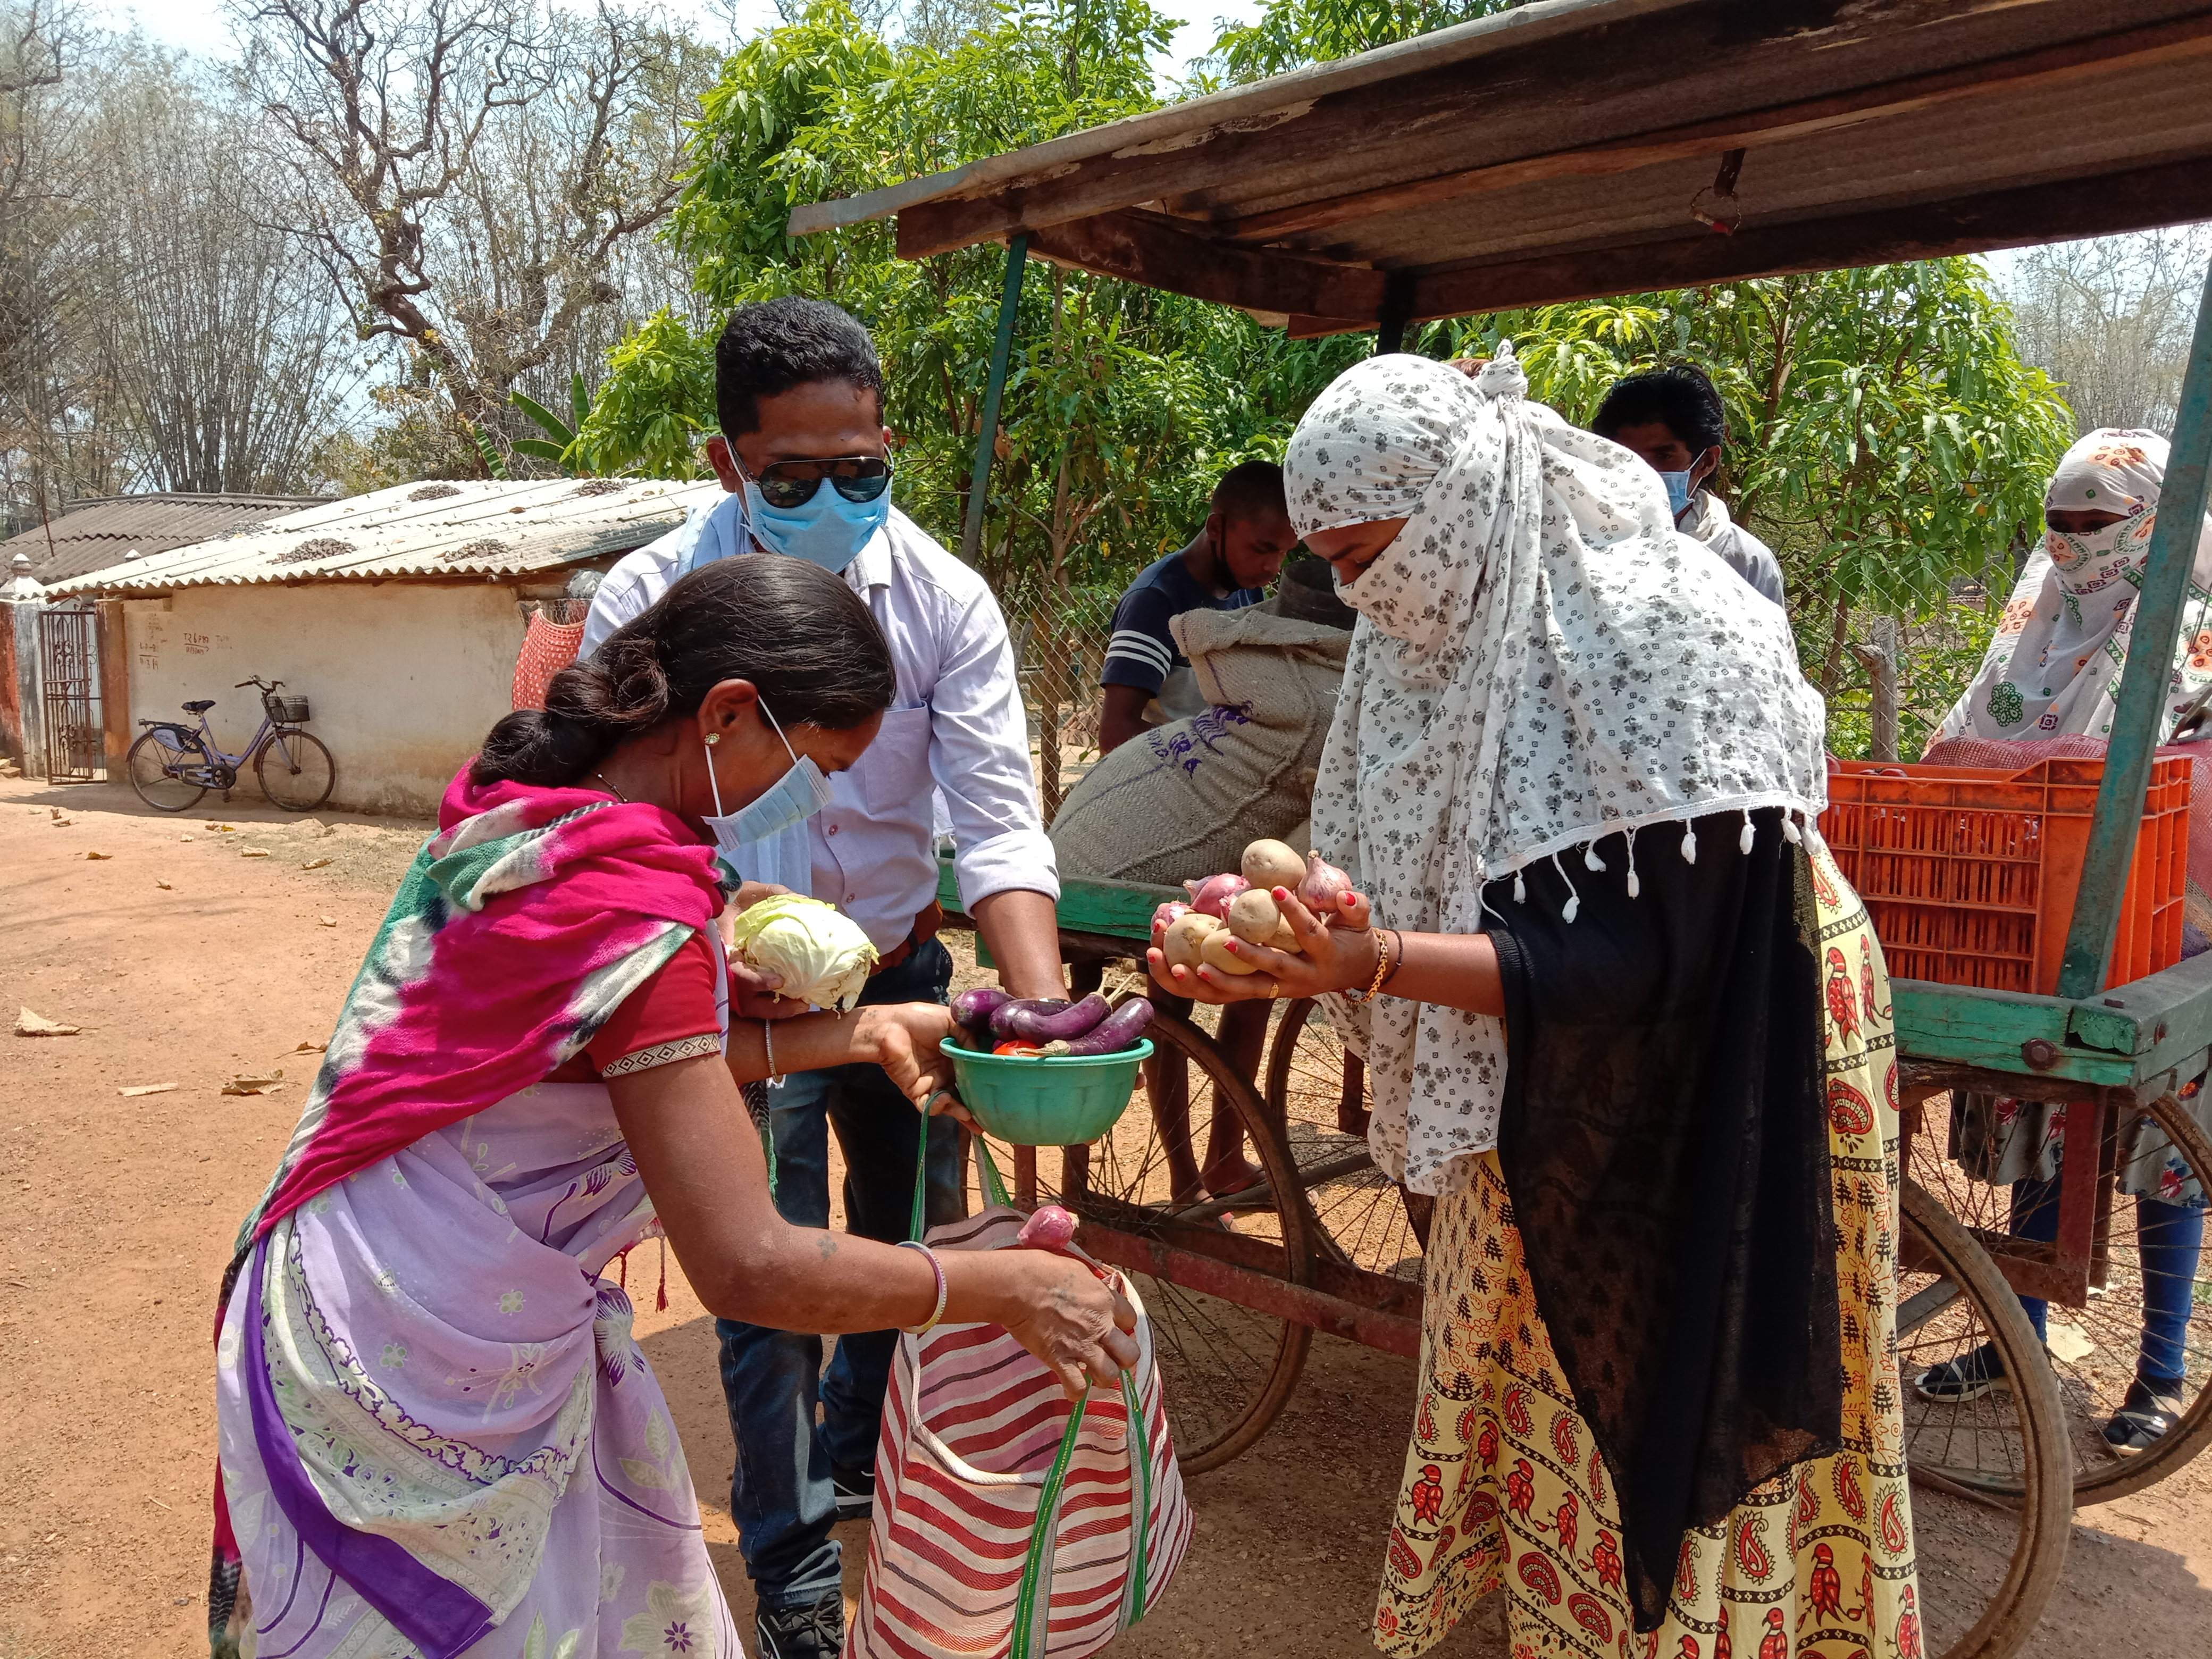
(172, 764)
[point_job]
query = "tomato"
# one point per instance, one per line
(1020, 1050)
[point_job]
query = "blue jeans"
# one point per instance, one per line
(780, 1494)
(2169, 1237)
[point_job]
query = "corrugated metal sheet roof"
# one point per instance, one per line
(92, 535)
(474, 528)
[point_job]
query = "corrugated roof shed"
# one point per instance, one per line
(92, 535)
(476, 528)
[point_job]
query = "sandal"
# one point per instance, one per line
(2145, 1417)
(1955, 1382)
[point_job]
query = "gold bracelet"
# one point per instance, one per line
(1382, 966)
(1401, 940)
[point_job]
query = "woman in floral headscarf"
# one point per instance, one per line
(2052, 673)
(1627, 1029)
(2054, 667)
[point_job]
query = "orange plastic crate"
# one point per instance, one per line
(1969, 875)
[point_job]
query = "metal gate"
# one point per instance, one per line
(70, 673)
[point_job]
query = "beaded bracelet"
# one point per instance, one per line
(936, 1267)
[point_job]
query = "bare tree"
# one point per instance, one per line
(481, 167)
(230, 348)
(2111, 318)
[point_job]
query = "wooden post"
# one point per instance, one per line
(979, 480)
(114, 647)
(1879, 657)
(1397, 312)
(2138, 720)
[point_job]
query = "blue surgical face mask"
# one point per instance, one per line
(796, 796)
(1677, 491)
(825, 529)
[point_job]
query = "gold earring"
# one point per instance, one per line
(714, 737)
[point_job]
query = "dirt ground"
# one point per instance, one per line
(188, 962)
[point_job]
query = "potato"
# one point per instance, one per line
(1180, 945)
(1285, 940)
(1254, 916)
(1272, 863)
(1215, 954)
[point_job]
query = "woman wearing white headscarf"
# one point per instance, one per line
(2052, 671)
(1629, 1026)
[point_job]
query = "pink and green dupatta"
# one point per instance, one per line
(517, 931)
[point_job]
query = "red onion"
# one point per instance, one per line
(1211, 897)
(1050, 1228)
(1168, 915)
(1324, 890)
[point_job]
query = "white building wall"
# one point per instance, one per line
(405, 678)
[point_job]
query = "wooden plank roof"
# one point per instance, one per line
(1578, 147)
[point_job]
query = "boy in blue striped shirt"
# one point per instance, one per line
(1225, 567)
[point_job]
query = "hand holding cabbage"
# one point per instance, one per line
(817, 952)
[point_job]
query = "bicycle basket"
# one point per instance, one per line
(286, 711)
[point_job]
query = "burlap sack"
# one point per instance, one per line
(1182, 801)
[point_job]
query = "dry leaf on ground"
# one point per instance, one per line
(163, 885)
(146, 1089)
(266, 1083)
(30, 1024)
(314, 864)
(108, 856)
(328, 922)
(253, 852)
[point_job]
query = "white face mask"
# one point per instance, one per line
(793, 798)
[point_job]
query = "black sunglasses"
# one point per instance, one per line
(787, 485)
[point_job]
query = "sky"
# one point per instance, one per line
(199, 26)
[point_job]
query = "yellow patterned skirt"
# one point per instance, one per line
(1503, 1485)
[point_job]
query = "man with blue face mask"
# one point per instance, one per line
(1673, 418)
(805, 460)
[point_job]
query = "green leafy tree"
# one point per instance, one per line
(1886, 438)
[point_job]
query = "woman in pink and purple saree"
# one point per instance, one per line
(438, 1436)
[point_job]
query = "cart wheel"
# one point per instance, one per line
(2093, 1349)
(1317, 1091)
(1991, 1477)
(1227, 1370)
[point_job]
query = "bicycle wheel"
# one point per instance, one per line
(1228, 1369)
(1993, 1488)
(2093, 1349)
(1317, 1090)
(303, 775)
(160, 772)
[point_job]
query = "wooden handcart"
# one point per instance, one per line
(1568, 150)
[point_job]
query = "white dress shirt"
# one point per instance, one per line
(957, 721)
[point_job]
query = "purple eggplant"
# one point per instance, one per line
(1118, 1031)
(1043, 1021)
(971, 1016)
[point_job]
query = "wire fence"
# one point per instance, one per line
(1060, 636)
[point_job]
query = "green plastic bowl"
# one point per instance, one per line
(1033, 1101)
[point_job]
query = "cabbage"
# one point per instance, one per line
(817, 950)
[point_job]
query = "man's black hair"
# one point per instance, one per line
(1252, 490)
(772, 345)
(1679, 397)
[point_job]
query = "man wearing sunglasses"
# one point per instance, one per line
(805, 458)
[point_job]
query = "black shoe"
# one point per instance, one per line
(856, 1492)
(814, 1632)
(1955, 1382)
(2145, 1417)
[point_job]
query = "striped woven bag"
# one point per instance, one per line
(1009, 1522)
